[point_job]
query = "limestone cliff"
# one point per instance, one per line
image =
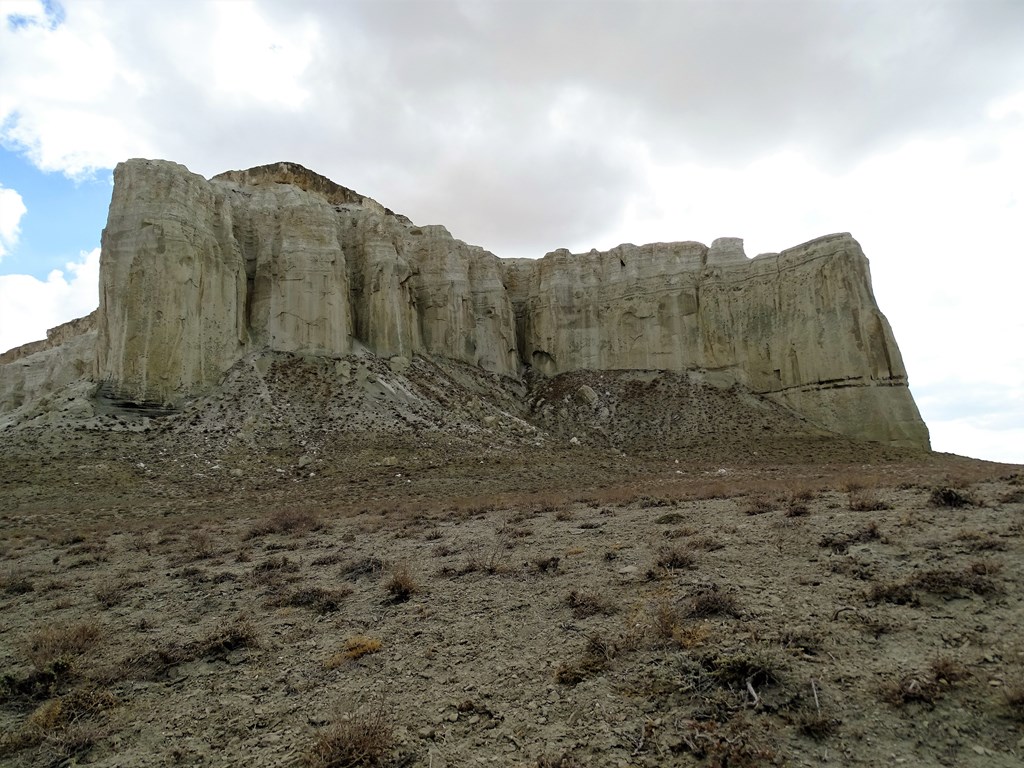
(196, 273)
(801, 326)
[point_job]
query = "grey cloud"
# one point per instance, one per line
(443, 109)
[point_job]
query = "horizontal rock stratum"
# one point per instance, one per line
(195, 274)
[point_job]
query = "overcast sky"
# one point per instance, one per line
(528, 126)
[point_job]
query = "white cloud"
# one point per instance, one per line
(31, 306)
(12, 208)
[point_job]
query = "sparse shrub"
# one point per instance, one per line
(950, 497)
(986, 567)
(14, 583)
(669, 518)
(564, 760)
(840, 543)
(951, 583)
(759, 505)
(911, 689)
(978, 541)
(758, 666)
(219, 643)
(596, 656)
(948, 669)
(895, 593)
(706, 543)
(57, 642)
(712, 602)
(362, 739)
(1013, 693)
(112, 591)
(273, 564)
(355, 648)
(320, 599)
(797, 509)
(547, 564)
(676, 558)
(816, 725)
(287, 521)
(367, 566)
(588, 603)
(402, 585)
(866, 501)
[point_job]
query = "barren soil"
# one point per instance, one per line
(463, 585)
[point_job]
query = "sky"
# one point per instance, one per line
(530, 125)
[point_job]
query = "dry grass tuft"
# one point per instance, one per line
(713, 602)
(363, 739)
(57, 642)
(402, 586)
(320, 599)
(596, 656)
(1014, 696)
(676, 558)
(355, 648)
(287, 521)
(588, 603)
(14, 583)
(866, 501)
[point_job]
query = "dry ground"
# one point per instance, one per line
(333, 563)
(732, 616)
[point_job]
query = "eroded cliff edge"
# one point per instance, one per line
(197, 273)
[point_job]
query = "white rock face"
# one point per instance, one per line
(197, 273)
(801, 327)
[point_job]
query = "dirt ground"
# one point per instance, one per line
(299, 590)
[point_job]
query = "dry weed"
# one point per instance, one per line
(402, 586)
(361, 739)
(355, 648)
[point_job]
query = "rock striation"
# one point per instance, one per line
(196, 274)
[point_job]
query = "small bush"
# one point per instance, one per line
(586, 604)
(953, 583)
(895, 593)
(817, 726)
(319, 599)
(676, 558)
(596, 656)
(547, 564)
(948, 669)
(670, 518)
(912, 689)
(713, 602)
(287, 521)
(865, 501)
(14, 583)
(53, 643)
(402, 585)
(1014, 695)
(950, 497)
(759, 505)
(359, 740)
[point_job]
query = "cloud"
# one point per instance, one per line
(456, 111)
(12, 208)
(31, 306)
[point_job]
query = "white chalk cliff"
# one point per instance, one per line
(197, 273)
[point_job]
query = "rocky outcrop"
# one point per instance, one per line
(801, 326)
(197, 273)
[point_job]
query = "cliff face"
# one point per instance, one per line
(801, 326)
(195, 273)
